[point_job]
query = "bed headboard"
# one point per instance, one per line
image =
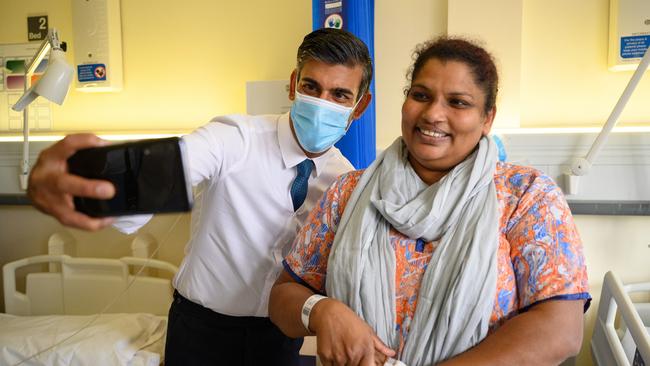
(607, 347)
(87, 285)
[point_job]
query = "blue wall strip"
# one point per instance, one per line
(357, 17)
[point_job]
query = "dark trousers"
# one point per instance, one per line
(199, 336)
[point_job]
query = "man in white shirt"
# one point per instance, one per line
(257, 178)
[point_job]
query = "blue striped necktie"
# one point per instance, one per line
(299, 185)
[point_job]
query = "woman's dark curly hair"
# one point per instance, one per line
(480, 62)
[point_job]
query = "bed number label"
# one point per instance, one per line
(37, 28)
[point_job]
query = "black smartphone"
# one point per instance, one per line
(150, 176)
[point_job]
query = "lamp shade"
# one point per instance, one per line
(52, 85)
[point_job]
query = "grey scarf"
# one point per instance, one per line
(457, 291)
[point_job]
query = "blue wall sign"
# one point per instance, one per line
(91, 72)
(634, 46)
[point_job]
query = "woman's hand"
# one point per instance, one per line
(343, 338)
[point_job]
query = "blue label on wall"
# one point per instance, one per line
(91, 72)
(329, 14)
(634, 46)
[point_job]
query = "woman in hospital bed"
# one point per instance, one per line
(438, 253)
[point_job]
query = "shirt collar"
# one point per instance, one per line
(292, 154)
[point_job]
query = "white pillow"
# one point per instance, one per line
(112, 339)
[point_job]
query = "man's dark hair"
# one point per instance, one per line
(336, 47)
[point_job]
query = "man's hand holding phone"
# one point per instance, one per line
(149, 176)
(52, 188)
(82, 180)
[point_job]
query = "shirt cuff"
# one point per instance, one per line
(130, 224)
(579, 296)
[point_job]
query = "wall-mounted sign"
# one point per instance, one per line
(629, 33)
(329, 14)
(91, 72)
(37, 28)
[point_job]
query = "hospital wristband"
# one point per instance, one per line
(306, 309)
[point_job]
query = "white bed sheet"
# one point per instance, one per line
(113, 339)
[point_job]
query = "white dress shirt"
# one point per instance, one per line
(243, 221)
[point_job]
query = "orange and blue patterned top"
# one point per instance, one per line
(539, 255)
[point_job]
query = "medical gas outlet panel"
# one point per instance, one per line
(629, 33)
(97, 45)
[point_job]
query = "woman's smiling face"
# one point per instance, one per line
(443, 118)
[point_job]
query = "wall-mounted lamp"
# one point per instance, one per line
(52, 85)
(581, 166)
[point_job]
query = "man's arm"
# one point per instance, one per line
(51, 188)
(547, 334)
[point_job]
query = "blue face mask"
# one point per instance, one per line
(319, 123)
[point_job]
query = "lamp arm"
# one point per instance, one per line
(581, 166)
(24, 171)
(40, 55)
(51, 41)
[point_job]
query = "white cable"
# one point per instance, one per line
(91, 321)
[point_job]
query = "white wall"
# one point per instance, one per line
(469, 18)
(563, 75)
(399, 26)
(565, 81)
(184, 61)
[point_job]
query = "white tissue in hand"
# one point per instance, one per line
(130, 224)
(394, 362)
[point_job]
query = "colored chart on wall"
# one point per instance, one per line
(13, 60)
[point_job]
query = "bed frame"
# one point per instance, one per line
(606, 346)
(81, 286)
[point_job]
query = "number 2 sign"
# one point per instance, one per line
(37, 27)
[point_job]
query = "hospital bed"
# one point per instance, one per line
(629, 342)
(61, 302)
